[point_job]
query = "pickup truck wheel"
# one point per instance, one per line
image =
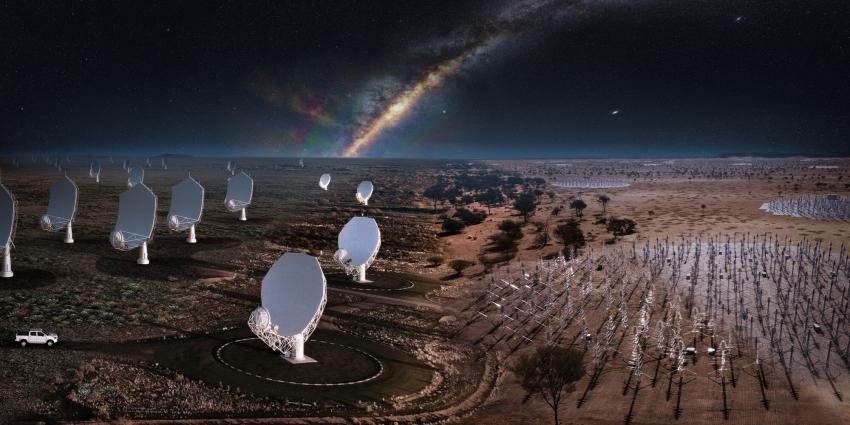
(23, 343)
(49, 343)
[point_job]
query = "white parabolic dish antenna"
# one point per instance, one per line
(94, 171)
(137, 176)
(240, 190)
(359, 242)
(136, 219)
(61, 208)
(231, 166)
(324, 181)
(293, 296)
(7, 228)
(187, 205)
(364, 192)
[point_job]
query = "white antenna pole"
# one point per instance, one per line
(69, 233)
(361, 274)
(243, 216)
(298, 349)
(143, 254)
(7, 263)
(191, 238)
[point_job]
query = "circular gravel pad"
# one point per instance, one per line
(336, 364)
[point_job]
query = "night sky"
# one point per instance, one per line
(493, 79)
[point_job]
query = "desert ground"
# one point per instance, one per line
(169, 341)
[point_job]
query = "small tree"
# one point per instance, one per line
(578, 205)
(571, 235)
(490, 198)
(435, 193)
(604, 199)
(551, 372)
(460, 265)
(525, 204)
(435, 260)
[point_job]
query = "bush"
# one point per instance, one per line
(470, 217)
(452, 226)
(460, 265)
(511, 228)
(435, 260)
(621, 226)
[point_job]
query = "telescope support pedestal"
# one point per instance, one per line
(243, 216)
(143, 255)
(191, 238)
(296, 356)
(7, 263)
(361, 275)
(69, 234)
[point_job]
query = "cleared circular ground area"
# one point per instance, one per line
(378, 282)
(336, 364)
(27, 278)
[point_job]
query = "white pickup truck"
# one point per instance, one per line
(36, 336)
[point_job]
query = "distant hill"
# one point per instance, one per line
(775, 155)
(172, 155)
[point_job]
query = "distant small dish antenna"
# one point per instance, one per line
(359, 242)
(164, 164)
(240, 190)
(61, 208)
(137, 176)
(136, 219)
(8, 220)
(364, 192)
(292, 297)
(231, 167)
(148, 162)
(94, 171)
(324, 181)
(301, 162)
(187, 205)
(126, 165)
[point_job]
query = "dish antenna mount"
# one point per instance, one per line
(359, 242)
(187, 205)
(8, 216)
(364, 192)
(61, 208)
(324, 181)
(136, 219)
(293, 297)
(240, 190)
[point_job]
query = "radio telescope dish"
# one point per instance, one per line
(8, 209)
(324, 181)
(240, 189)
(292, 297)
(94, 171)
(231, 166)
(148, 162)
(187, 205)
(301, 162)
(137, 176)
(359, 242)
(164, 164)
(126, 165)
(136, 219)
(61, 208)
(364, 192)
